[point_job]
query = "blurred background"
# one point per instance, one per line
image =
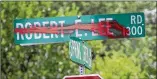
(128, 58)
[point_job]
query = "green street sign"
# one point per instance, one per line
(80, 52)
(134, 22)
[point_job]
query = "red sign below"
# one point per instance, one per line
(90, 76)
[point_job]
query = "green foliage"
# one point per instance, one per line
(114, 58)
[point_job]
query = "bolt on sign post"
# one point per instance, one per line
(91, 76)
(80, 52)
(86, 27)
(81, 69)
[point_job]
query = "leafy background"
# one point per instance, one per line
(129, 58)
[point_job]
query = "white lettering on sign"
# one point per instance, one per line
(139, 30)
(133, 21)
(87, 55)
(101, 19)
(45, 24)
(28, 36)
(53, 23)
(139, 19)
(75, 49)
(135, 30)
(108, 19)
(37, 35)
(61, 23)
(90, 57)
(77, 34)
(19, 35)
(80, 53)
(93, 33)
(136, 19)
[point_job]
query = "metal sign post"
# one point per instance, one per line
(81, 69)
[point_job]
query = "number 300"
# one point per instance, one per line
(135, 30)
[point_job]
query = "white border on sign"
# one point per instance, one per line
(82, 76)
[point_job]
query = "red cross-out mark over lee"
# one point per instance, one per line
(111, 29)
